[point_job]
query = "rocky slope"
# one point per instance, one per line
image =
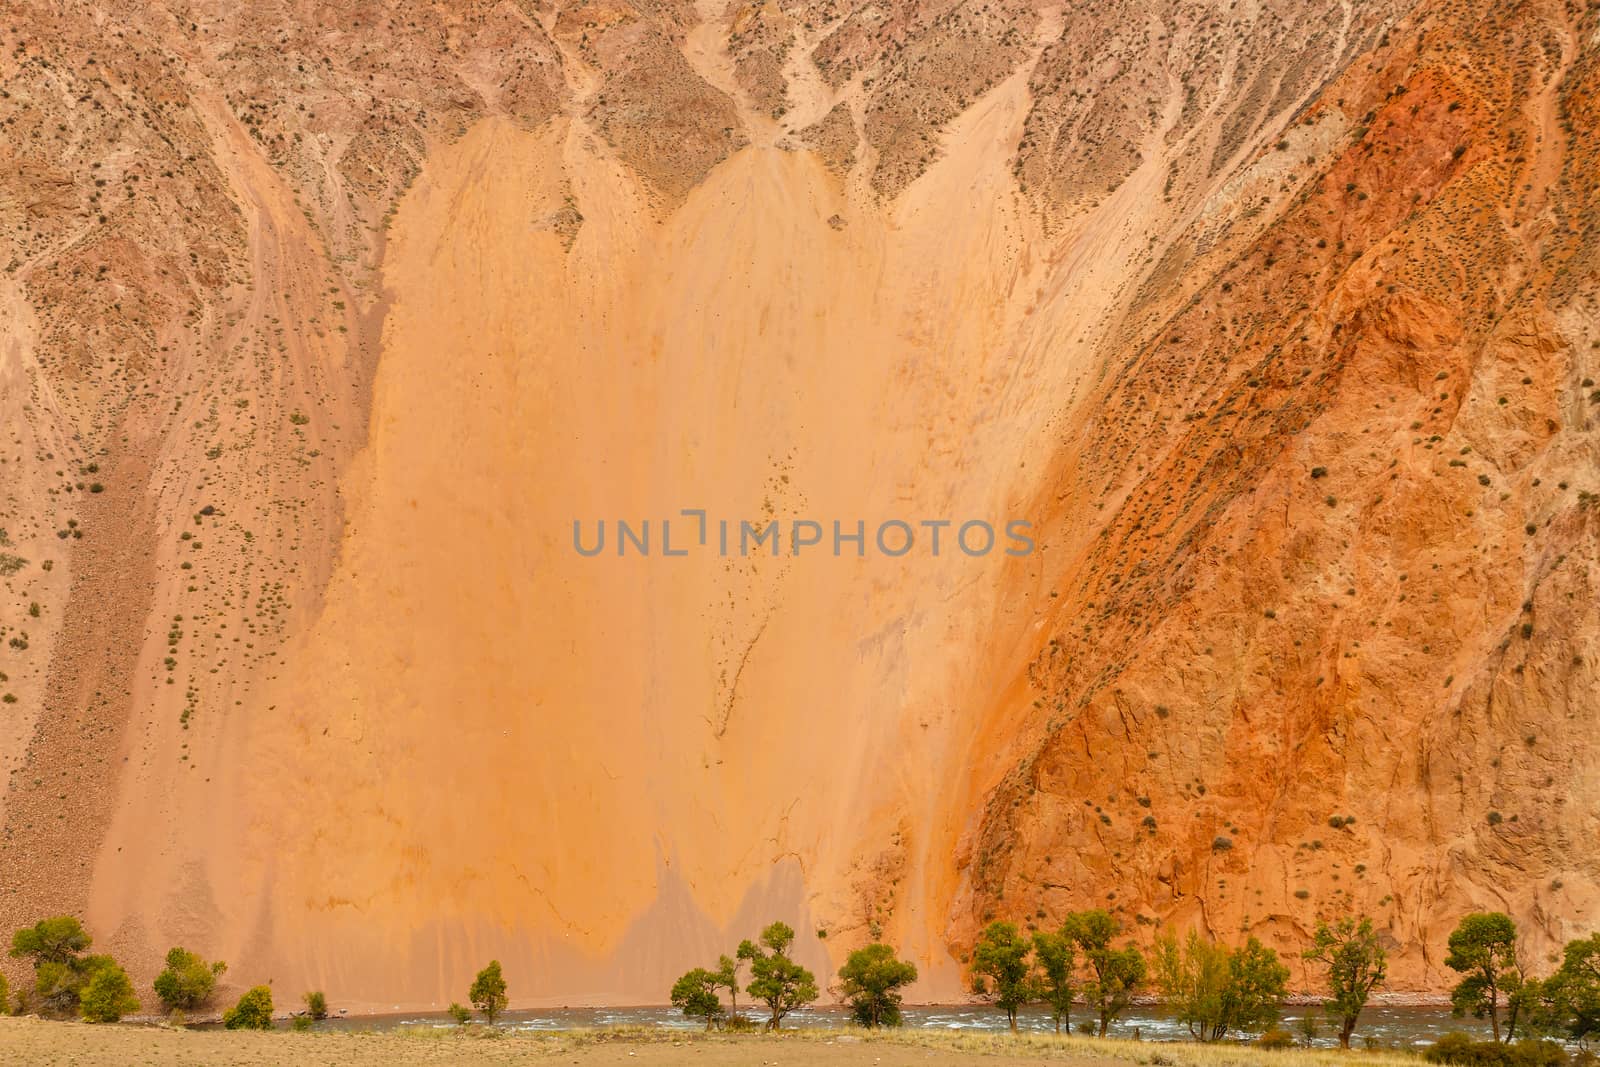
(322, 322)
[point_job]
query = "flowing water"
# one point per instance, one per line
(1384, 1025)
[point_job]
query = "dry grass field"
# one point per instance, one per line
(40, 1043)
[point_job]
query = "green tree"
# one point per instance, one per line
(1213, 989)
(1057, 956)
(1257, 983)
(316, 1005)
(108, 994)
(727, 975)
(1114, 974)
(488, 992)
(57, 940)
(1572, 994)
(253, 1012)
(695, 994)
(59, 971)
(1357, 964)
(1483, 947)
(776, 980)
(55, 989)
(871, 979)
(1193, 979)
(1001, 971)
(188, 981)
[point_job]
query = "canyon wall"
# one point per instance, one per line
(324, 322)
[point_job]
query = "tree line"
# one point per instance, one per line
(1215, 989)
(1211, 988)
(68, 982)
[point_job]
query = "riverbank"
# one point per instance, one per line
(44, 1044)
(1385, 1025)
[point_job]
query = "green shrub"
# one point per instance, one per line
(316, 1005)
(108, 994)
(461, 1015)
(1458, 1048)
(253, 1012)
(1276, 1039)
(188, 981)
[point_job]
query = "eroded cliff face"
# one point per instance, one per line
(323, 323)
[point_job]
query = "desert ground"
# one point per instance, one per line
(45, 1044)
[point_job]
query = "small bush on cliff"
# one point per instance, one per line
(253, 1012)
(488, 992)
(188, 981)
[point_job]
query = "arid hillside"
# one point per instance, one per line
(321, 323)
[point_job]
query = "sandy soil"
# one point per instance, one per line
(43, 1043)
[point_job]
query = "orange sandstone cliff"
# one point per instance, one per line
(320, 324)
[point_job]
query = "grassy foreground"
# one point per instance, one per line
(37, 1042)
